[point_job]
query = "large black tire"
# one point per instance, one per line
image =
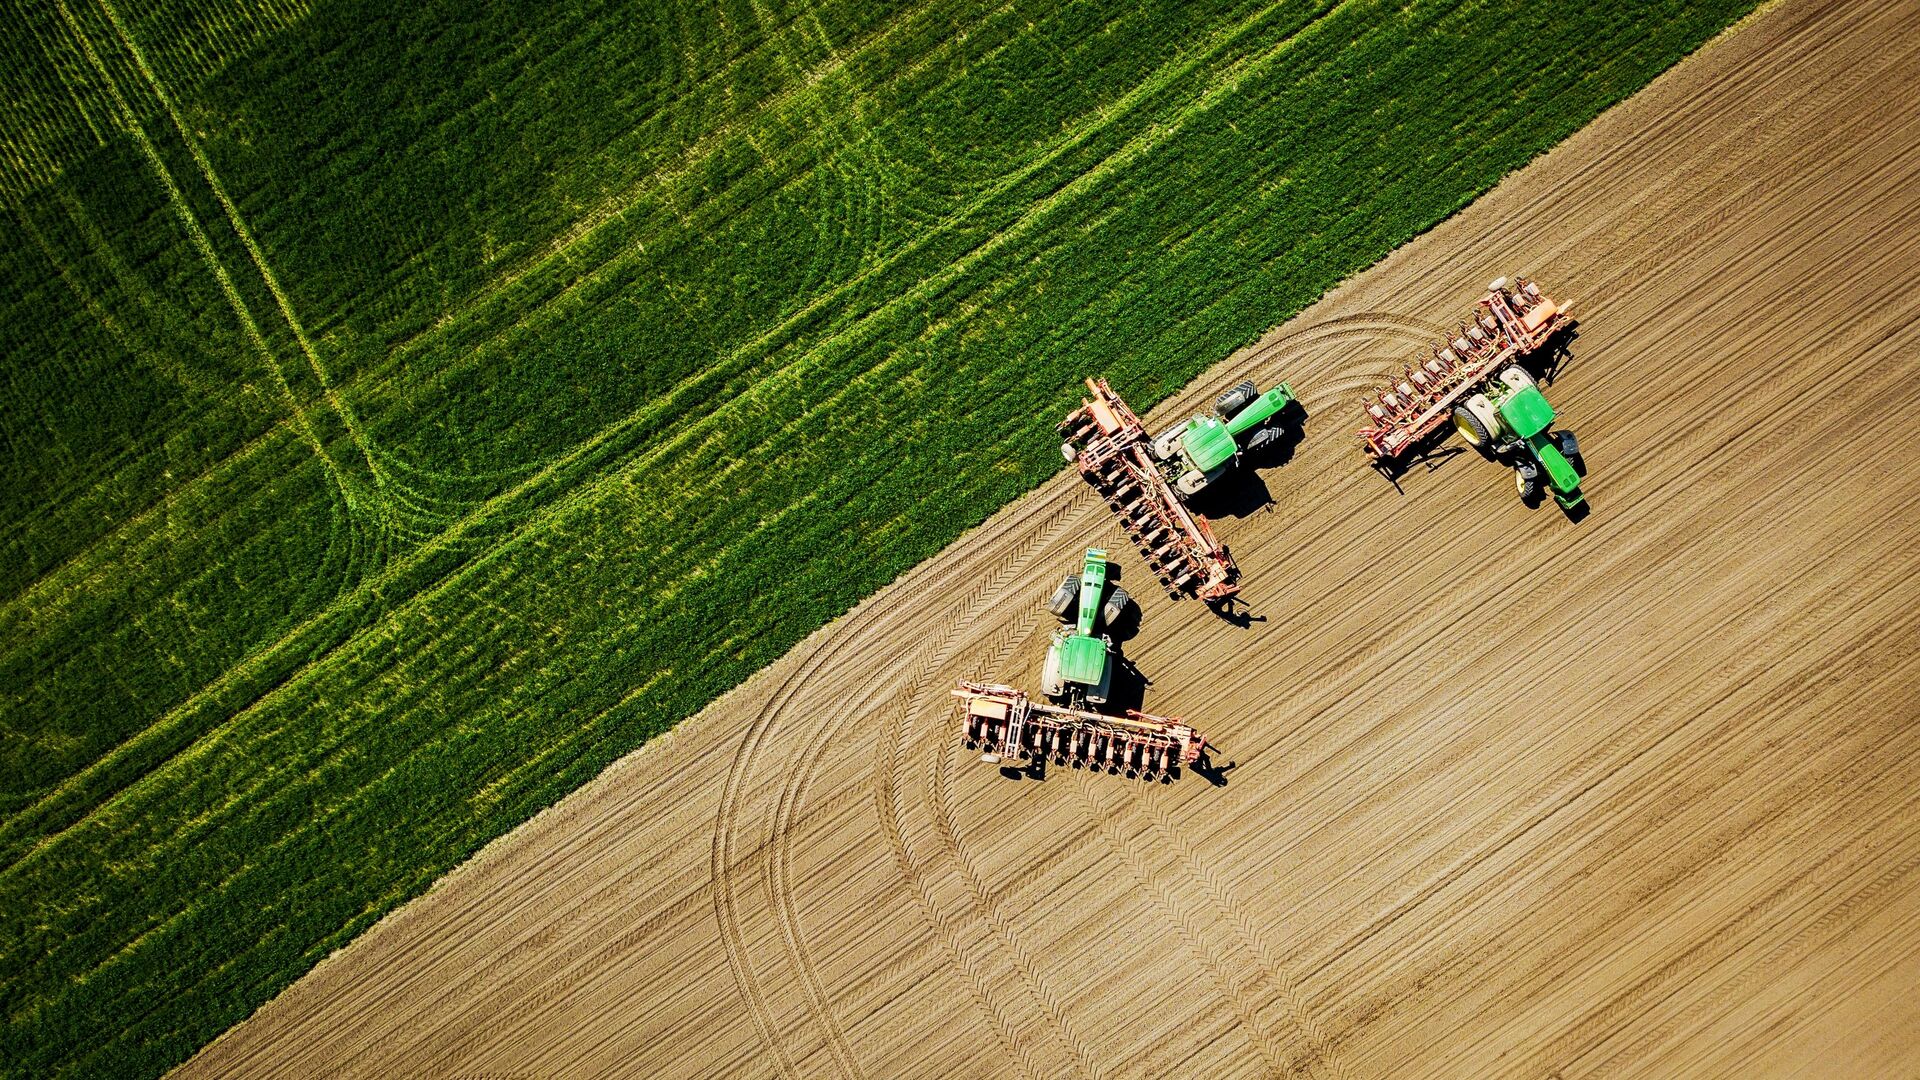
(1236, 399)
(1472, 428)
(1065, 598)
(1115, 607)
(1569, 448)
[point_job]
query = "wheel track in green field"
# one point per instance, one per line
(198, 237)
(695, 388)
(348, 488)
(245, 797)
(356, 535)
(614, 208)
(39, 156)
(169, 362)
(743, 357)
(388, 490)
(789, 379)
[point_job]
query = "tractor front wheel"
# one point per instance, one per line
(1526, 477)
(1115, 607)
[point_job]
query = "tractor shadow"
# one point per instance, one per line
(1547, 365)
(1234, 612)
(1427, 455)
(1127, 626)
(1211, 771)
(1242, 491)
(1128, 689)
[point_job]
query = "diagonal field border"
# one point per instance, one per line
(167, 732)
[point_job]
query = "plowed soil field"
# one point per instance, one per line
(1510, 794)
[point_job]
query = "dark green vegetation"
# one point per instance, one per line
(412, 408)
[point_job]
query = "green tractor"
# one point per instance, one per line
(1201, 450)
(1510, 419)
(1079, 668)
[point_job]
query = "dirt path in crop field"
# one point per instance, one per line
(1510, 795)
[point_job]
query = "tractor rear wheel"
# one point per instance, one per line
(1062, 601)
(1115, 607)
(1474, 427)
(1236, 399)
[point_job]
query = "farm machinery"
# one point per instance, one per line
(1004, 723)
(1147, 479)
(1476, 381)
(1511, 419)
(1079, 667)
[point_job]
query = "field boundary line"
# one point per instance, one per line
(773, 384)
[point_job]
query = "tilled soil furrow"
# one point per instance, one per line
(1509, 794)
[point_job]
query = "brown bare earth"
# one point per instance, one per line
(1512, 795)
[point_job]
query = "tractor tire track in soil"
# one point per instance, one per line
(1509, 794)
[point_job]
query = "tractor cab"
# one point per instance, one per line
(1079, 666)
(1200, 451)
(1512, 418)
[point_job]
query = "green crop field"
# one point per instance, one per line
(411, 408)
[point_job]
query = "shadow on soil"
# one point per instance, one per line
(1235, 612)
(1242, 491)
